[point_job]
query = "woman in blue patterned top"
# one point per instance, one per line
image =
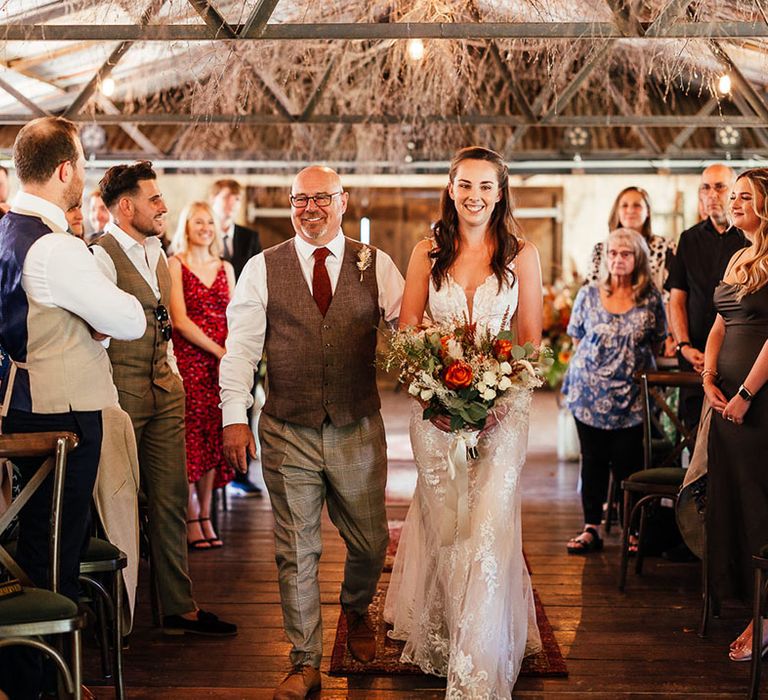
(617, 326)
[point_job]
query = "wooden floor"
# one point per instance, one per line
(639, 644)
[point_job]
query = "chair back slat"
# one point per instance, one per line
(57, 446)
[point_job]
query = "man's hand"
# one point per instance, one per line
(96, 335)
(694, 356)
(239, 445)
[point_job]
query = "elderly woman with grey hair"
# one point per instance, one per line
(617, 325)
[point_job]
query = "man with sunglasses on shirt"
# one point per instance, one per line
(149, 384)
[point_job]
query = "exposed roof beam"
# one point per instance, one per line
(696, 121)
(215, 22)
(662, 24)
(309, 110)
(140, 138)
(682, 138)
(108, 66)
(743, 107)
(257, 22)
(578, 80)
(743, 85)
(36, 110)
(642, 132)
(362, 31)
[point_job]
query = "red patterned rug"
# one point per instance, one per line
(549, 662)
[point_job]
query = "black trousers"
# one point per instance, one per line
(21, 669)
(602, 452)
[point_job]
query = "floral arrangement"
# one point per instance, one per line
(558, 304)
(462, 371)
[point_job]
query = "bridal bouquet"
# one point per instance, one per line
(463, 371)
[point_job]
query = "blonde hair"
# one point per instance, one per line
(641, 274)
(751, 271)
(180, 240)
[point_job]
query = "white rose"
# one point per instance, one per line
(481, 387)
(426, 394)
(488, 395)
(455, 350)
(413, 389)
(505, 368)
(489, 378)
(504, 383)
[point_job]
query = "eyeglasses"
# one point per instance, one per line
(718, 187)
(321, 200)
(623, 254)
(166, 329)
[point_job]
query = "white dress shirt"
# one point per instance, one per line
(144, 258)
(247, 317)
(60, 272)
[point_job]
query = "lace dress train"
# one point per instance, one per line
(464, 606)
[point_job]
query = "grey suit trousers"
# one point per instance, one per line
(347, 469)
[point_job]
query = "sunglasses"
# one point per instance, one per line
(166, 329)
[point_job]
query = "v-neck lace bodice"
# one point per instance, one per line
(488, 304)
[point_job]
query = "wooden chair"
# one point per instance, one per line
(25, 619)
(759, 611)
(661, 477)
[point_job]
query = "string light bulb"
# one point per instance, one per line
(107, 87)
(724, 84)
(415, 49)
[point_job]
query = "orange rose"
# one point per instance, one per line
(503, 349)
(458, 375)
(564, 356)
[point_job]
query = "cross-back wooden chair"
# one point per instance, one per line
(26, 618)
(661, 476)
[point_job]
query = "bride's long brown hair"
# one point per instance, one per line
(503, 225)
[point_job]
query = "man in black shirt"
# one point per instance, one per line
(702, 256)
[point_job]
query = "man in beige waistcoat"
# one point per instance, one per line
(149, 385)
(314, 303)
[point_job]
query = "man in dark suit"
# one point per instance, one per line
(240, 243)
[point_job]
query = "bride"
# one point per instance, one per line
(465, 608)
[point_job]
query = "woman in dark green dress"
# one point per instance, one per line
(735, 373)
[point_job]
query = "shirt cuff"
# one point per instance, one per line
(234, 413)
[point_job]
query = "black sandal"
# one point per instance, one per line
(215, 542)
(198, 545)
(577, 545)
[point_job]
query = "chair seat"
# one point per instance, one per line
(35, 605)
(661, 476)
(100, 550)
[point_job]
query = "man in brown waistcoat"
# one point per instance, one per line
(314, 303)
(149, 385)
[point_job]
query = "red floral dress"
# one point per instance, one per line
(206, 307)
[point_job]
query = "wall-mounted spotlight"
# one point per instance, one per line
(727, 137)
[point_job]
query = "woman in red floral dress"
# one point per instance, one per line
(201, 287)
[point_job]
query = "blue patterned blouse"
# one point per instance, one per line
(598, 386)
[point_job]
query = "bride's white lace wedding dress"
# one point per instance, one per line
(465, 606)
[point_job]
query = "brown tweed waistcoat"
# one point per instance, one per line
(318, 367)
(138, 364)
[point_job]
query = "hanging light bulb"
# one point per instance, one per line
(415, 49)
(108, 87)
(724, 84)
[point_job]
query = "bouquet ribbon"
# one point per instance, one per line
(463, 446)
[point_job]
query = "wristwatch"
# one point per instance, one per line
(744, 393)
(679, 347)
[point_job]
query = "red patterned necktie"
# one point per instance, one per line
(321, 283)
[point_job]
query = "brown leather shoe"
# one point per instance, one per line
(361, 638)
(298, 684)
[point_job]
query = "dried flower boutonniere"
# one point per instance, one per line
(363, 260)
